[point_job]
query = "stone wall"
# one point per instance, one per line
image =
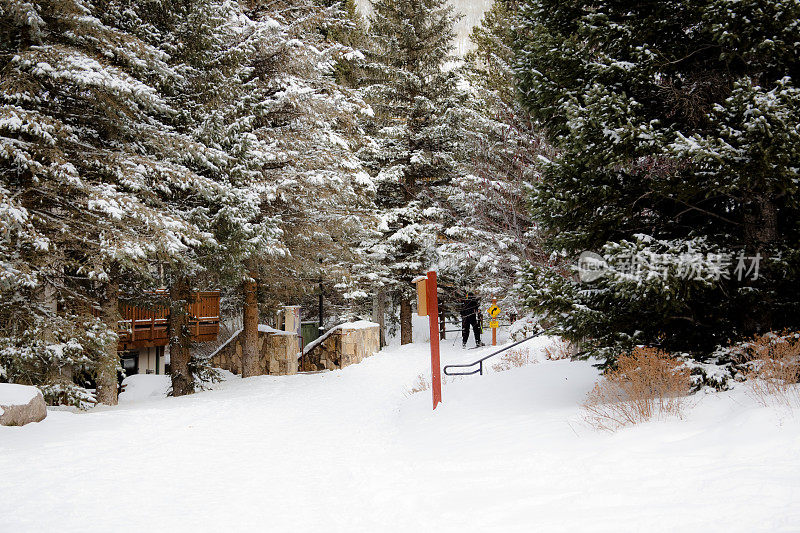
(347, 344)
(277, 350)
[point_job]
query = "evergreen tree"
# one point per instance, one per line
(103, 174)
(413, 157)
(76, 105)
(292, 128)
(490, 234)
(350, 30)
(676, 129)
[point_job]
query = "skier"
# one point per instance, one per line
(470, 315)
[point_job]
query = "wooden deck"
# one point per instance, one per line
(149, 327)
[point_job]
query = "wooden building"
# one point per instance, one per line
(144, 332)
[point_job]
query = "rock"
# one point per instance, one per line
(20, 405)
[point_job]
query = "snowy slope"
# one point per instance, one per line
(351, 451)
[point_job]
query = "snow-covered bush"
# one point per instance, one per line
(714, 373)
(58, 355)
(524, 327)
(560, 349)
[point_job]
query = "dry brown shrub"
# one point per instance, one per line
(646, 384)
(514, 359)
(421, 384)
(560, 349)
(773, 368)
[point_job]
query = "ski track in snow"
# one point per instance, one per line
(351, 450)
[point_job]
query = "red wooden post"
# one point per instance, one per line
(433, 321)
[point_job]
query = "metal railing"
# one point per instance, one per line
(479, 362)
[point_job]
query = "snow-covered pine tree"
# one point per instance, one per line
(102, 175)
(677, 130)
(326, 206)
(491, 234)
(210, 46)
(413, 158)
(349, 28)
(75, 104)
(298, 127)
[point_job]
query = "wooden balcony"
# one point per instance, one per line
(149, 327)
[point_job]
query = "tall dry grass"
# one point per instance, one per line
(645, 384)
(423, 383)
(773, 362)
(420, 384)
(514, 358)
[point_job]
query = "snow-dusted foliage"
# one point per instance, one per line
(198, 137)
(676, 130)
(490, 234)
(413, 156)
(84, 129)
(305, 126)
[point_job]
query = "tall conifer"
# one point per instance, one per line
(676, 124)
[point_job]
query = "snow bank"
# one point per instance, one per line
(524, 327)
(142, 387)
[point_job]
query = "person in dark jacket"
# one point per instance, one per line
(470, 315)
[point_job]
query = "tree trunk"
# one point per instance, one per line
(760, 232)
(180, 338)
(46, 296)
(760, 222)
(250, 327)
(379, 314)
(405, 321)
(107, 387)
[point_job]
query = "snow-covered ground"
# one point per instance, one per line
(351, 450)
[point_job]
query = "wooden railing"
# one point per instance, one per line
(142, 327)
